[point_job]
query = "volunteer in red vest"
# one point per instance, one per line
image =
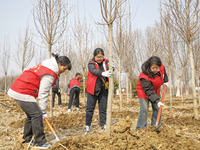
(36, 83)
(152, 77)
(74, 86)
(98, 73)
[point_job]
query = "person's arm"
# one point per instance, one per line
(45, 86)
(149, 91)
(66, 87)
(165, 77)
(92, 68)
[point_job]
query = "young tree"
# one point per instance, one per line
(185, 20)
(25, 50)
(82, 33)
(109, 11)
(5, 57)
(50, 18)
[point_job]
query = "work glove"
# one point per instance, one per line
(159, 104)
(106, 73)
(44, 116)
(167, 84)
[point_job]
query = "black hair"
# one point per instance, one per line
(63, 60)
(154, 60)
(77, 74)
(98, 51)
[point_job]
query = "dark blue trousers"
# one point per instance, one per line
(102, 103)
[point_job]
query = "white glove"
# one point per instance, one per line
(44, 116)
(59, 91)
(167, 84)
(106, 73)
(159, 104)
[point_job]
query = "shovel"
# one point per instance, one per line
(53, 131)
(160, 109)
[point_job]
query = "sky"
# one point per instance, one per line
(15, 14)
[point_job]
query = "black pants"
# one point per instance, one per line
(74, 92)
(91, 102)
(34, 123)
(53, 98)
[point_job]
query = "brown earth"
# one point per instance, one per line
(179, 130)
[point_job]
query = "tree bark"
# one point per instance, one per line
(111, 87)
(193, 81)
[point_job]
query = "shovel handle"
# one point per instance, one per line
(49, 125)
(160, 109)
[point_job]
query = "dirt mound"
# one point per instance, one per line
(124, 138)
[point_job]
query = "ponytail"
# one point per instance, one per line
(63, 60)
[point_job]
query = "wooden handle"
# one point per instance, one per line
(49, 125)
(160, 109)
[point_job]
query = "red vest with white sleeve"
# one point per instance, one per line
(28, 82)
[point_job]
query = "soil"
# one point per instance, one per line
(179, 129)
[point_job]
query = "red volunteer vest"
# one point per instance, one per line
(157, 82)
(74, 82)
(91, 80)
(28, 82)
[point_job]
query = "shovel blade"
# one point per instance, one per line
(57, 139)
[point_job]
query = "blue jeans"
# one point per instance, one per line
(143, 114)
(34, 123)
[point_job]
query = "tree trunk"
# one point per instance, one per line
(65, 87)
(170, 85)
(84, 88)
(178, 87)
(127, 87)
(51, 106)
(111, 87)
(120, 86)
(5, 90)
(130, 91)
(193, 81)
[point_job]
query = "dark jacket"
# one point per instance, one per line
(56, 87)
(99, 86)
(148, 87)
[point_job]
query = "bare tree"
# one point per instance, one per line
(197, 62)
(118, 47)
(81, 37)
(50, 18)
(5, 57)
(185, 20)
(25, 50)
(109, 11)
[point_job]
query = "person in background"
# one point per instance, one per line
(32, 83)
(97, 88)
(74, 85)
(56, 90)
(152, 77)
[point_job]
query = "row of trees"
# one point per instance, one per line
(174, 38)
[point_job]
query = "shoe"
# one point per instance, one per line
(77, 109)
(44, 146)
(103, 128)
(69, 110)
(87, 130)
(59, 105)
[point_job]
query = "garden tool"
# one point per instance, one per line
(160, 109)
(53, 131)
